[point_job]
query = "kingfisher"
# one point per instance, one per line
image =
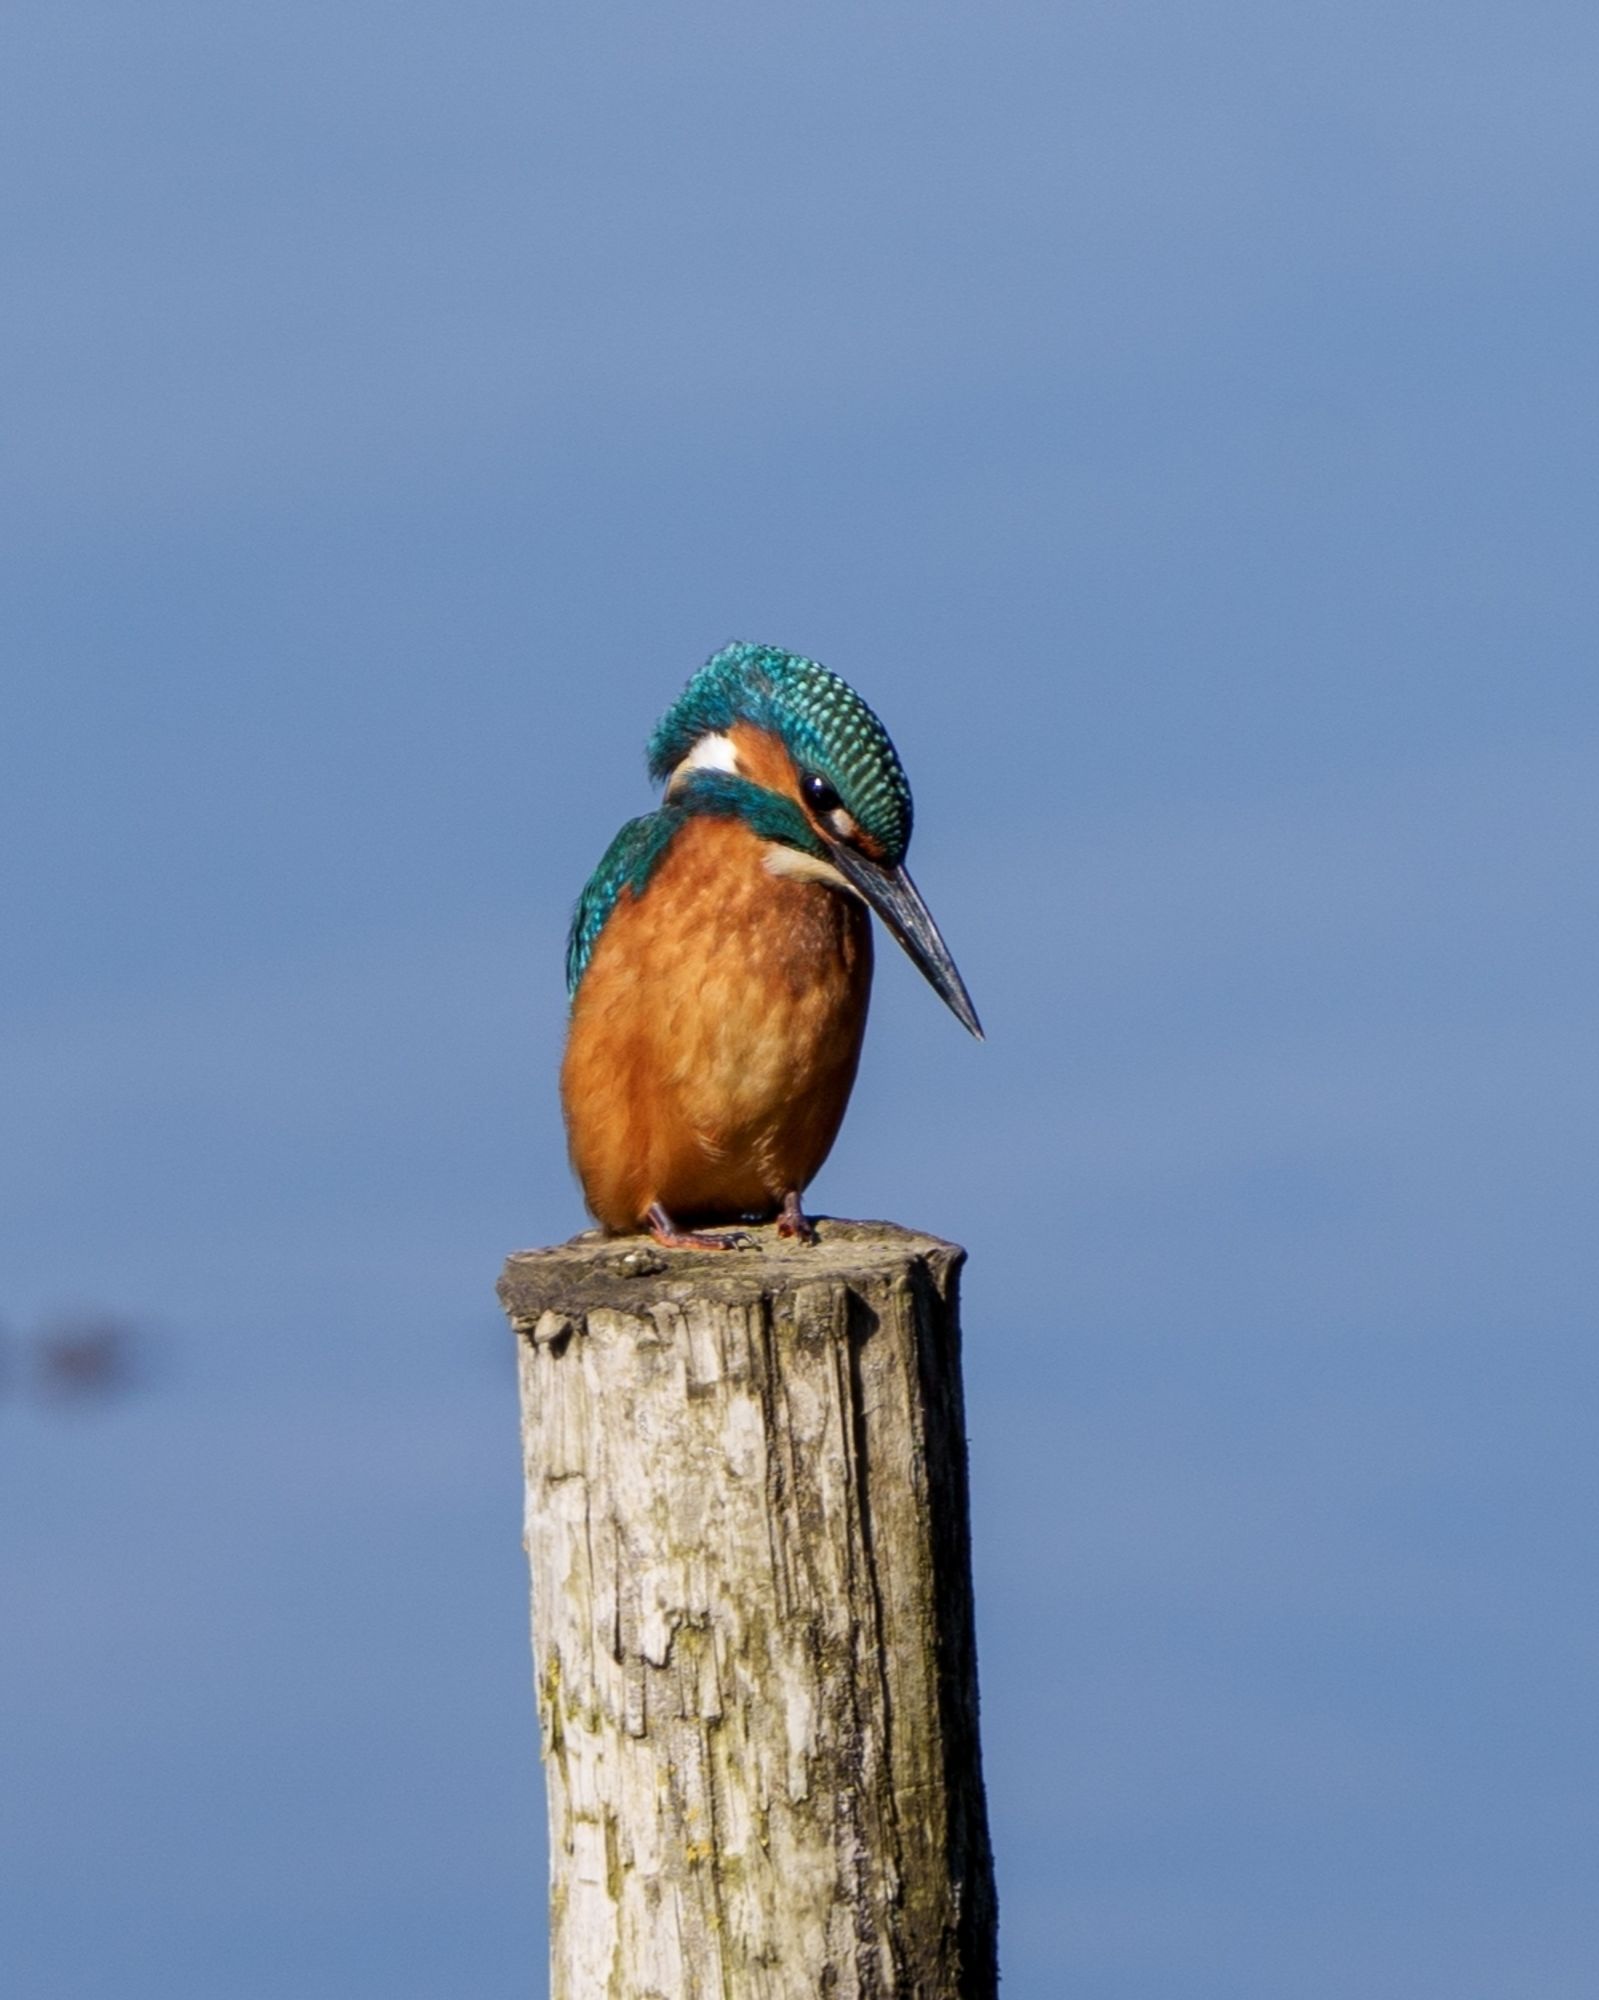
(720, 957)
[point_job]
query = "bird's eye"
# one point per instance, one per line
(819, 794)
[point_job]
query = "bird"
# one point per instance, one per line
(719, 961)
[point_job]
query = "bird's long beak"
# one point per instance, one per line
(897, 900)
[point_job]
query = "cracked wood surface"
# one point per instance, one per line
(747, 1528)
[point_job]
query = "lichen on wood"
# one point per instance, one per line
(748, 1534)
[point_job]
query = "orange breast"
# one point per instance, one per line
(714, 1035)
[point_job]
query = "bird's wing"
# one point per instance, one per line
(629, 862)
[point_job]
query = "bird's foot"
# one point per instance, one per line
(670, 1237)
(793, 1221)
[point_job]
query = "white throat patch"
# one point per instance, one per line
(790, 861)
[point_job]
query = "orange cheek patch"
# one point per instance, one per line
(763, 759)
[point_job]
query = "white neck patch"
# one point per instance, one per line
(711, 753)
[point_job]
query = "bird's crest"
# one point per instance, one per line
(825, 725)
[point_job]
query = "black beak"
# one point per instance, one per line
(896, 899)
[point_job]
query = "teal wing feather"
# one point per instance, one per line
(629, 862)
(633, 856)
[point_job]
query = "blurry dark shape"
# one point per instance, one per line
(88, 1358)
(8, 1366)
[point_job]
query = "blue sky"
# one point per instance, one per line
(1180, 425)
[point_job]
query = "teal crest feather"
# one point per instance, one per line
(825, 724)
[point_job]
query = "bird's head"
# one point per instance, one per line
(787, 744)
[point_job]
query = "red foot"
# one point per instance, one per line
(670, 1237)
(793, 1221)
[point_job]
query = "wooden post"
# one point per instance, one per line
(752, 1619)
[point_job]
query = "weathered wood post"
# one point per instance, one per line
(752, 1619)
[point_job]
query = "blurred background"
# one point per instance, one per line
(1180, 423)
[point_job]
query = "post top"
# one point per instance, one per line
(632, 1274)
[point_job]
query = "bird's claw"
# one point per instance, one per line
(670, 1237)
(792, 1220)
